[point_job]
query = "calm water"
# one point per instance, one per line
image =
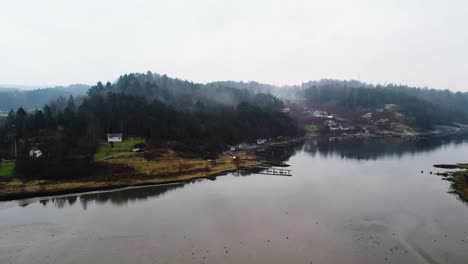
(352, 201)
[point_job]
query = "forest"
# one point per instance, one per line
(201, 119)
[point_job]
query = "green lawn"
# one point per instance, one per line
(311, 128)
(7, 170)
(105, 150)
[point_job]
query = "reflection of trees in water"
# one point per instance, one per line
(280, 153)
(119, 198)
(349, 148)
(372, 149)
(242, 173)
(358, 148)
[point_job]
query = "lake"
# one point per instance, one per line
(347, 201)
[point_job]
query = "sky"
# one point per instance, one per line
(421, 43)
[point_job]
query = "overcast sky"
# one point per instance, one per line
(59, 42)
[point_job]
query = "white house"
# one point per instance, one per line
(114, 137)
(35, 153)
(234, 147)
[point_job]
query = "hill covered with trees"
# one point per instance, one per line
(37, 98)
(195, 118)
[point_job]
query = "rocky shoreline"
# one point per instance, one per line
(459, 178)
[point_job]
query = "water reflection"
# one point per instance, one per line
(373, 149)
(348, 148)
(117, 198)
(125, 196)
(331, 211)
(280, 153)
(358, 148)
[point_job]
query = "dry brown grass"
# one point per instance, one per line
(461, 184)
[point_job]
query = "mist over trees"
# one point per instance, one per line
(202, 117)
(37, 98)
(423, 107)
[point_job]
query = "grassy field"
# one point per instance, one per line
(311, 128)
(7, 170)
(104, 150)
(169, 162)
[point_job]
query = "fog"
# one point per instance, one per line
(54, 42)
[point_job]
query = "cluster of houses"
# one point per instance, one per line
(329, 120)
(333, 125)
(320, 114)
(259, 141)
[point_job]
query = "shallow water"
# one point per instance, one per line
(348, 201)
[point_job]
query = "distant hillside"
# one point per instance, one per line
(423, 107)
(11, 98)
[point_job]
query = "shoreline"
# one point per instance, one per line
(41, 188)
(459, 179)
(168, 168)
(460, 184)
(84, 185)
(80, 190)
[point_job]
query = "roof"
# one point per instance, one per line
(114, 134)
